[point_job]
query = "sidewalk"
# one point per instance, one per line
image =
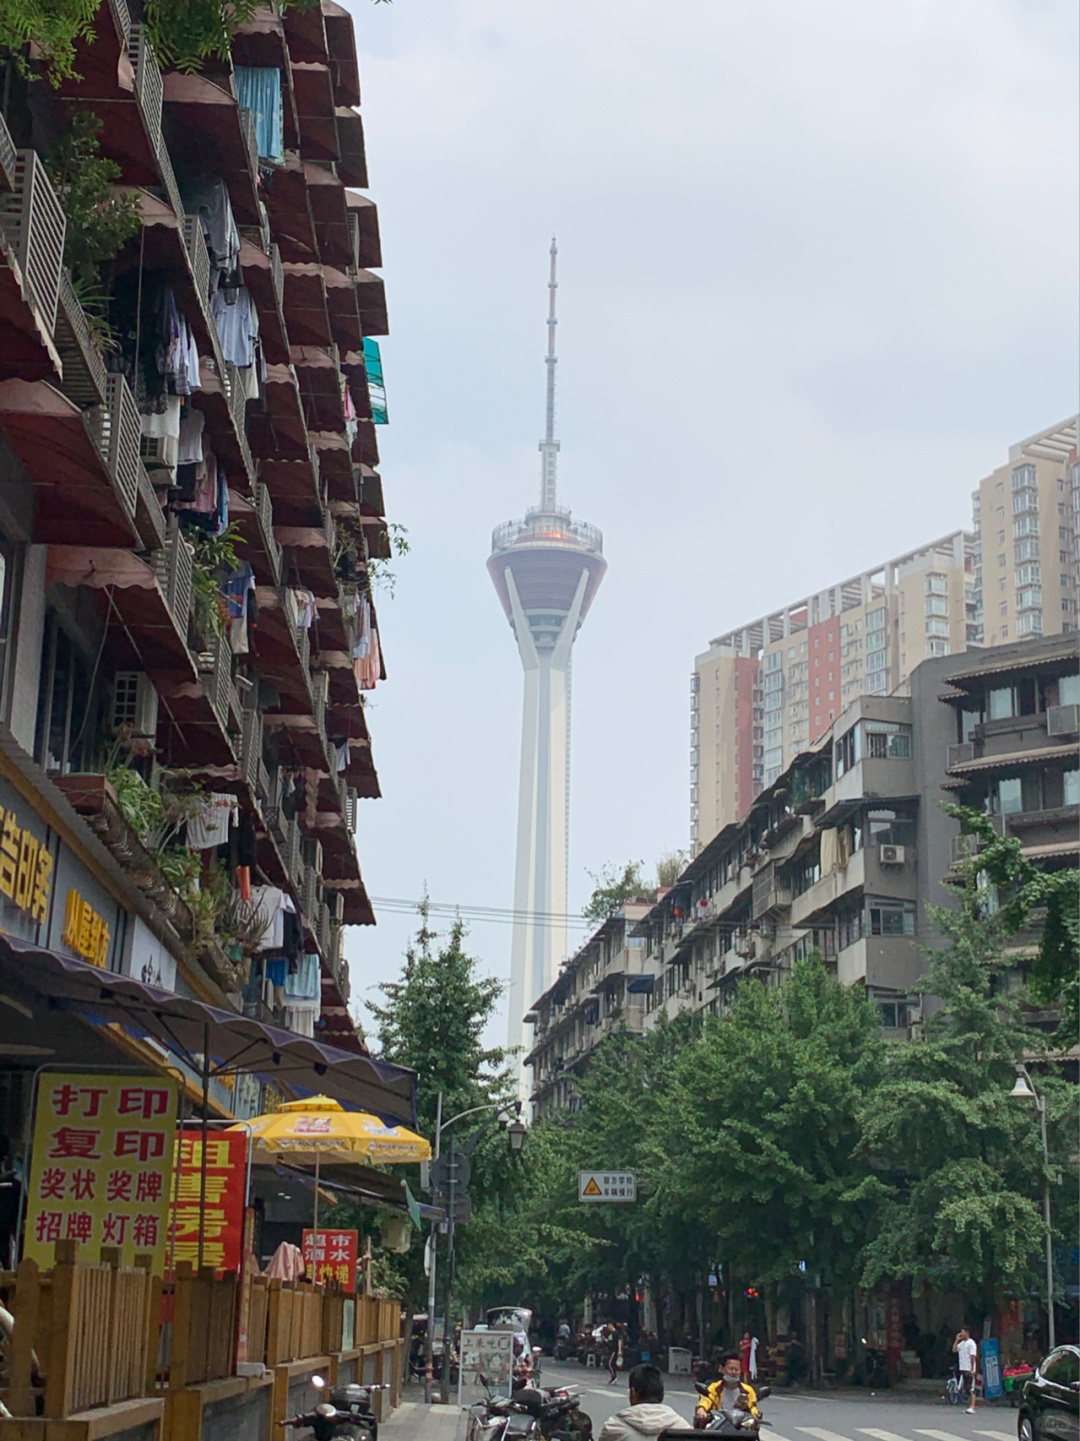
(413, 1421)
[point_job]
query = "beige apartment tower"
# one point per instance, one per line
(1025, 520)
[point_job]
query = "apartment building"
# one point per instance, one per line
(849, 846)
(762, 694)
(1025, 517)
(599, 989)
(189, 510)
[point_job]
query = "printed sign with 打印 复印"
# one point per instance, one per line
(102, 1165)
(221, 1219)
(331, 1256)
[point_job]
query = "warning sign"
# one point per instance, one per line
(607, 1186)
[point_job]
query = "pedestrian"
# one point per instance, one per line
(966, 1352)
(745, 1348)
(613, 1356)
(647, 1415)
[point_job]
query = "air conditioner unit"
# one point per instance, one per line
(744, 947)
(1062, 720)
(892, 855)
(159, 452)
(135, 703)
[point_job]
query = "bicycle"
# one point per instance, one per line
(954, 1389)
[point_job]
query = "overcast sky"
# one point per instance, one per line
(817, 271)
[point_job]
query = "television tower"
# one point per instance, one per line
(547, 569)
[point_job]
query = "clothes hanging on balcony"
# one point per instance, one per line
(305, 982)
(240, 598)
(258, 87)
(342, 762)
(190, 435)
(165, 423)
(209, 827)
(208, 198)
(273, 905)
(305, 607)
(237, 323)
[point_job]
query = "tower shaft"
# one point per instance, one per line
(549, 446)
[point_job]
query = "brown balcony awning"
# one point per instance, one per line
(335, 462)
(314, 91)
(306, 33)
(342, 309)
(135, 603)
(254, 548)
(206, 128)
(279, 430)
(258, 272)
(330, 213)
(352, 166)
(305, 304)
(1010, 760)
(260, 41)
(292, 482)
(307, 557)
(186, 1028)
(341, 50)
(76, 499)
(371, 298)
(286, 198)
(367, 215)
(365, 448)
(275, 649)
(320, 387)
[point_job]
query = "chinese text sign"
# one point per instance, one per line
(102, 1165)
(331, 1256)
(222, 1219)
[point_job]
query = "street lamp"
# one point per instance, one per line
(1023, 1090)
(515, 1134)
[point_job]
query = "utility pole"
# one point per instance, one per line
(429, 1342)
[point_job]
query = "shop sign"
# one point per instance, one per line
(331, 1256)
(86, 931)
(146, 959)
(102, 1165)
(26, 866)
(991, 1364)
(222, 1220)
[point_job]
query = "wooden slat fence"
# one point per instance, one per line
(202, 1347)
(88, 1328)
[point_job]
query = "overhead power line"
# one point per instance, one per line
(500, 915)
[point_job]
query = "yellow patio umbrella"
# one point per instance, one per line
(319, 1129)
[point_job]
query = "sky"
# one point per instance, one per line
(817, 271)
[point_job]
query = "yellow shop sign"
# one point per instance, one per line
(86, 932)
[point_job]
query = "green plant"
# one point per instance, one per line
(214, 555)
(611, 889)
(182, 869)
(99, 222)
(139, 803)
(52, 27)
(186, 36)
(380, 576)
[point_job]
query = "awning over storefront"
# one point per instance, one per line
(185, 1027)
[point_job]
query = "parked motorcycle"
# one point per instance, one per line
(347, 1414)
(873, 1370)
(557, 1411)
(500, 1418)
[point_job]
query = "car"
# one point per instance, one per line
(1050, 1401)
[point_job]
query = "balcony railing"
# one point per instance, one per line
(217, 680)
(238, 410)
(172, 566)
(959, 754)
(7, 156)
(351, 808)
(116, 430)
(85, 380)
(251, 742)
(33, 221)
(264, 509)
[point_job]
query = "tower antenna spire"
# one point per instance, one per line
(549, 446)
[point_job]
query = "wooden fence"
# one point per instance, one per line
(203, 1342)
(86, 1333)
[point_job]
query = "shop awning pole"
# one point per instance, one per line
(205, 1136)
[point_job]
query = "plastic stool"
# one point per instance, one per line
(590, 1360)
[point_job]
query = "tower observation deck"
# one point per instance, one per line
(546, 569)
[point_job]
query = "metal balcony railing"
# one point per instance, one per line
(293, 862)
(351, 809)
(322, 933)
(115, 427)
(277, 276)
(309, 896)
(172, 566)
(237, 400)
(33, 221)
(247, 125)
(195, 243)
(251, 739)
(217, 681)
(959, 754)
(7, 156)
(264, 509)
(85, 380)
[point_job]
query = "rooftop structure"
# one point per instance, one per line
(546, 569)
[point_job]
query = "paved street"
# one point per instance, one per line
(799, 1416)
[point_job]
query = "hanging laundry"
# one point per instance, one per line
(239, 586)
(273, 904)
(190, 434)
(305, 982)
(207, 197)
(209, 827)
(166, 422)
(258, 87)
(305, 607)
(342, 758)
(237, 325)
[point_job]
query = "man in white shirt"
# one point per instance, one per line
(966, 1353)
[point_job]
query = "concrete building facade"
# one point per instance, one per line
(762, 694)
(1025, 519)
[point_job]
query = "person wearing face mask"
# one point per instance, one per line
(730, 1395)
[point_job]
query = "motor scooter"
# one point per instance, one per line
(347, 1414)
(743, 1425)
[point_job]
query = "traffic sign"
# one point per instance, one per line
(441, 1171)
(607, 1186)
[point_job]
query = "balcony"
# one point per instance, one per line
(85, 467)
(282, 649)
(213, 135)
(314, 90)
(345, 327)
(329, 211)
(84, 380)
(365, 214)
(32, 226)
(864, 873)
(254, 516)
(889, 962)
(264, 277)
(318, 373)
(352, 162)
(289, 208)
(305, 304)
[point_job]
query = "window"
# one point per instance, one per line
(876, 620)
(1026, 525)
(1029, 575)
(1030, 623)
(848, 750)
(1027, 500)
(1062, 1368)
(937, 627)
(1016, 794)
(1069, 689)
(1023, 477)
(876, 660)
(937, 605)
(1001, 560)
(1026, 550)
(772, 662)
(892, 918)
(1001, 537)
(69, 710)
(1029, 598)
(937, 585)
(937, 647)
(1070, 795)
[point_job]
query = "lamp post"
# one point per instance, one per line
(515, 1134)
(1023, 1090)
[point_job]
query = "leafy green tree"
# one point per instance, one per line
(53, 27)
(764, 1123)
(612, 889)
(958, 1166)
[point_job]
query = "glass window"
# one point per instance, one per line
(892, 919)
(1062, 1367)
(937, 585)
(937, 605)
(1071, 788)
(937, 627)
(1010, 796)
(1069, 690)
(1000, 703)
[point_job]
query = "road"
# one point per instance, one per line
(842, 1416)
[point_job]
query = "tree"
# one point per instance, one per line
(959, 1165)
(612, 889)
(669, 868)
(434, 1020)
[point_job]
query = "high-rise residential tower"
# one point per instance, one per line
(546, 569)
